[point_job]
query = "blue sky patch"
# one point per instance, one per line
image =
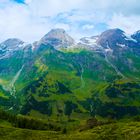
(19, 1)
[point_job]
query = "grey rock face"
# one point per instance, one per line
(11, 46)
(112, 37)
(116, 39)
(58, 38)
(11, 43)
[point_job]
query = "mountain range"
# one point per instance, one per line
(59, 78)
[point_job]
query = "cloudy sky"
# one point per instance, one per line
(29, 20)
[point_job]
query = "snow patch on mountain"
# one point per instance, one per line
(90, 43)
(121, 45)
(89, 40)
(10, 46)
(129, 38)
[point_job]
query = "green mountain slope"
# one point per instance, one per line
(72, 83)
(65, 83)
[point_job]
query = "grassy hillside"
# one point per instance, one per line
(19, 127)
(69, 84)
(58, 91)
(115, 131)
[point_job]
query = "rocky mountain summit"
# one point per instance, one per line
(58, 38)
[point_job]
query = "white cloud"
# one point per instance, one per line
(28, 1)
(53, 7)
(81, 15)
(17, 21)
(127, 23)
(31, 21)
(63, 26)
(88, 26)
